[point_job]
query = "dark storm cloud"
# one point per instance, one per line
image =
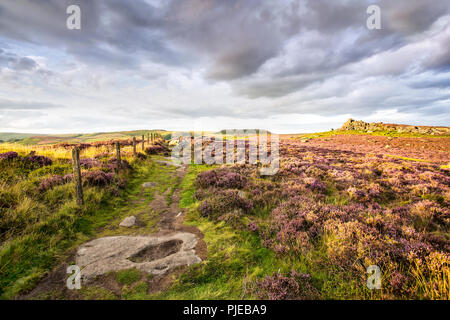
(341, 38)
(261, 48)
(232, 38)
(108, 36)
(275, 87)
(440, 59)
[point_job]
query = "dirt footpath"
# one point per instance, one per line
(155, 253)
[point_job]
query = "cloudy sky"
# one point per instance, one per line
(286, 66)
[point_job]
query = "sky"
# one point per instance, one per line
(287, 66)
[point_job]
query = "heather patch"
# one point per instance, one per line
(97, 178)
(8, 156)
(345, 209)
(225, 201)
(156, 148)
(293, 286)
(221, 178)
(39, 161)
(88, 163)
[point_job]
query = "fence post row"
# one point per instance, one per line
(77, 175)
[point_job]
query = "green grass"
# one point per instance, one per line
(136, 292)
(406, 158)
(375, 133)
(96, 293)
(128, 276)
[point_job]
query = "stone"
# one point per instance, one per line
(151, 254)
(371, 127)
(149, 184)
(168, 163)
(128, 222)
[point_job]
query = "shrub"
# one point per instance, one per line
(426, 213)
(315, 185)
(39, 161)
(252, 227)
(51, 182)
(89, 163)
(295, 222)
(155, 149)
(221, 179)
(356, 194)
(112, 164)
(224, 202)
(141, 156)
(280, 287)
(98, 178)
(8, 155)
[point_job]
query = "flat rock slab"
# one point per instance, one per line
(155, 255)
(128, 222)
(149, 184)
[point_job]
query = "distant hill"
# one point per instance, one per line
(13, 136)
(257, 131)
(31, 139)
(369, 127)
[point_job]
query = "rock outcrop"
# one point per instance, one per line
(354, 125)
(151, 254)
(128, 222)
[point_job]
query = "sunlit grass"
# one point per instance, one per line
(375, 133)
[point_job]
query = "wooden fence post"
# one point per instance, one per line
(143, 141)
(148, 138)
(134, 146)
(119, 160)
(77, 175)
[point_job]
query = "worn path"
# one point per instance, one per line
(162, 253)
